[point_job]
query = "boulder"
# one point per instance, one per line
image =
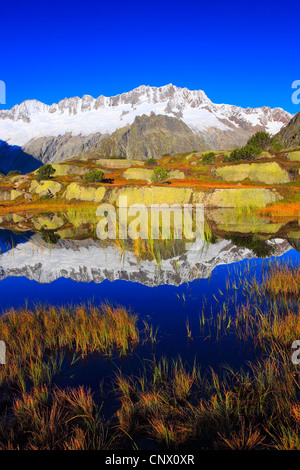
(294, 156)
(84, 193)
(176, 175)
(152, 195)
(118, 163)
(43, 188)
(268, 173)
(15, 193)
(63, 169)
(138, 174)
(241, 197)
(50, 223)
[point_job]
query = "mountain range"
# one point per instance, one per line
(51, 133)
(86, 261)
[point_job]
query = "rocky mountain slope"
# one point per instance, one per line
(151, 136)
(289, 136)
(47, 131)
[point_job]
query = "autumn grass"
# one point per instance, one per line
(174, 404)
(254, 407)
(282, 280)
(55, 419)
(282, 210)
(37, 339)
(179, 407)
(52, 205)
(34, 413)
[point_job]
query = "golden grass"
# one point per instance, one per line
(234, 409)
(37, 338)
(281, 210)
(54, 205)
(56, 419)
(282, 280)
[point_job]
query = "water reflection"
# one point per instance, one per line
(49, 246)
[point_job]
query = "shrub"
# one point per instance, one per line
(209, 157)
(151, 162)
(249, 152)
(276, 146)
(117, 157)
(160, 175)
(14, 173)
(45, 172)
(261, 140)
(94, 176)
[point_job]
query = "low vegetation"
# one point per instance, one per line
(151, 162)
(94, 176)
(172, 403)
(209, 157)
(160, 175)
(256, 144)
(45, 172)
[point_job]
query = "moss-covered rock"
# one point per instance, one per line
(138, 174)
(152, 195)
(268, 173)
(63, 169)
(241, 197)
(52, 222)
(233, 220)
(294, 156)
(145, 175)
(84, 193)
(176, 175)
(44, 187)
(116, 163)
(15, 193)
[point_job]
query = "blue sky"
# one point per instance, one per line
(244, 53)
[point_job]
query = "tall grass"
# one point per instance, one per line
(36, 339)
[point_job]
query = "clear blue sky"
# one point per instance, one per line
(239, 52)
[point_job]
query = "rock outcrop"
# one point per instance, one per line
(152, 136)
(268, 173)
(289, 136)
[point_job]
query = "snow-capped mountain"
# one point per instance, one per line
(86, 261)
(219, 125)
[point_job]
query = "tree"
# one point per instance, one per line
(14, 173)
(94, 176)
(151, 162)
(160, 175)
(209, 157)
(249, 152)
(261, 140)
(45, 172)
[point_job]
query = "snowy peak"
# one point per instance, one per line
(221, 125)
